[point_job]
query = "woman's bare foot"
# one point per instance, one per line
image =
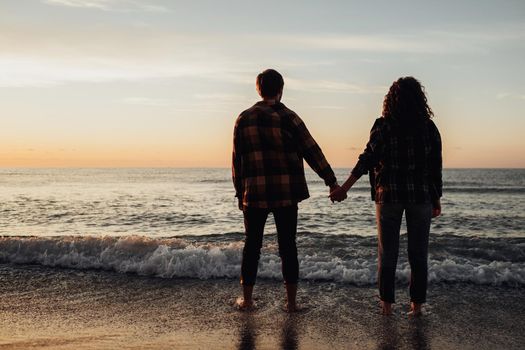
(386, 308)
(415, 310)
(244, 305)
(292, 308)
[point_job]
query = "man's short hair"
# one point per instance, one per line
(270, 83)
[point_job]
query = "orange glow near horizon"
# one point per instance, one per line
(120, 85)
(216, 156)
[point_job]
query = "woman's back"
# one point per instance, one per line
(407, 160)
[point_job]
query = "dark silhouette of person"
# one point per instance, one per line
(404, 158)
(270, 142)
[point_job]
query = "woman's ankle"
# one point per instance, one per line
(386, 308)
(415, 309)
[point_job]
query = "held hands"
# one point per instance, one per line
(337, 194)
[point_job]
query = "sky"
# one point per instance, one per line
(132, 83)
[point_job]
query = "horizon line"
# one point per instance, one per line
(215, 167)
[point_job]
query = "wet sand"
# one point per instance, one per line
(49, 308)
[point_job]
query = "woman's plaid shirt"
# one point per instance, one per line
(269, 145)
(404, 161)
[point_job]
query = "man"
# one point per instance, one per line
(270, 143)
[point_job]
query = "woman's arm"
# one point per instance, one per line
(339, 193)
(436, 169)
(367, 160)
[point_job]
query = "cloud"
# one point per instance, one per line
(459, 40)
(338, 108)
(332, 86)
(148, 101)
(368, 43)
(110, 5)
(20, 71)
(420, 43)
(219, 97)
(510, 95)
(41, 72)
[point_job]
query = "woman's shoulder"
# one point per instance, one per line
(432, 126)
(379, 122)
(383, 124)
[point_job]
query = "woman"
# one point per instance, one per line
(403, 156)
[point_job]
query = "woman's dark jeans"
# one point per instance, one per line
(418, 217)
(286, 224)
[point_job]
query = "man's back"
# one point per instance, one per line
(270, 142)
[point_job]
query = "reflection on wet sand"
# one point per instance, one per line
(418, 333)
(248, 333)
(388, 332)
(391, 336)
(289, 337)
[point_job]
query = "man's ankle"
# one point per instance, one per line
(247, 293)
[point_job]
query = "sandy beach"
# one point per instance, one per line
(45, 308)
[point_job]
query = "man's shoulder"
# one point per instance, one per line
(248, 113)
(261, 108)
(294, 117)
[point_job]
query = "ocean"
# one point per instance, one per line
(150, 259)
(184, 223)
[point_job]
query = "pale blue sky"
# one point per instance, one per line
(160, 83)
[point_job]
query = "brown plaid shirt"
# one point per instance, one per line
(404, 162)
(269, 144)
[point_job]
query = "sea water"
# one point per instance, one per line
(174, 223)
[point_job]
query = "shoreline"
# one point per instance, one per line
(44, 308)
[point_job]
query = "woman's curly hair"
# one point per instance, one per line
(406, 101)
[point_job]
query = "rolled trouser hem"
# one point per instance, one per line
(386, 300)
(418, 301)
(246, 283)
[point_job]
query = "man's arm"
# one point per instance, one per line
(313, 154)
(237, 165)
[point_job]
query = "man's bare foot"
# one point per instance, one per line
(244, 305)
(292, 308)
(415, 310)
(386, 308)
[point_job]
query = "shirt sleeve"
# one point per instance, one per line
(436, 163)
(372, 153)
(313, 154)
(237, 162)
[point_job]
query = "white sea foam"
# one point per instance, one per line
(176, 258)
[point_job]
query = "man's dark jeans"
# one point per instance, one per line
(418, 217)
(286, 223)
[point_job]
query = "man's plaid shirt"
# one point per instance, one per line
(404, 161)
(269, 144)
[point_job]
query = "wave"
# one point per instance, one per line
(187, 258)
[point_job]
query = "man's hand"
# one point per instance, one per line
(239, 203)
(436, 208)
(337, 193)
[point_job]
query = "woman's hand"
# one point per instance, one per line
(436, 208)
(338, 194)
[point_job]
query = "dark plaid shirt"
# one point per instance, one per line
(404, 162)
(269, 144)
